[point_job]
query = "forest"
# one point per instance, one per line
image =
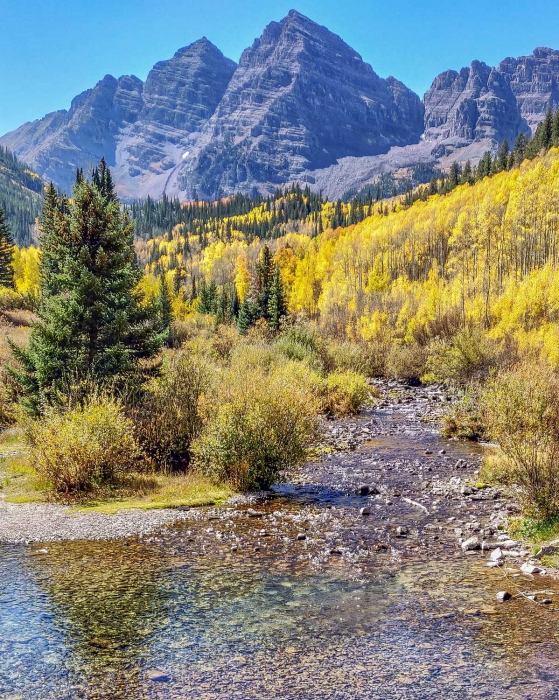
(455, 282)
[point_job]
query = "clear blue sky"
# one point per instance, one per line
(52, 50)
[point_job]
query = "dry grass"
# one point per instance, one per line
(149, 491)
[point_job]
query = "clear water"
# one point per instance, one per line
(185, 615)
(153, 620)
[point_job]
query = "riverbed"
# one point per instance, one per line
(348, 581)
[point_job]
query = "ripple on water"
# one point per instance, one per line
(150, 619)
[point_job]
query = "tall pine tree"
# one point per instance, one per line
(92, 323)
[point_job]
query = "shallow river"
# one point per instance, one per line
(232, 605)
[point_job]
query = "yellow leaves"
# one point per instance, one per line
(242, 277)
(26, 270)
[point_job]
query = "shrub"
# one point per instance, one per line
(302, 343)
(345, 393)
(406, 362)
(348, 356)
(169, 415)
(464, 419)
(261, 426)
(10, 299)
(466, 356)
(521, 409)
(83, 447)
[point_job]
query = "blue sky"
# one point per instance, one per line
(51, 51)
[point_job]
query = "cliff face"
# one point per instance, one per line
(139, 128)
(301, 105)
(488, 105)
(300, 98)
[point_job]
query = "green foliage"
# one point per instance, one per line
(464, 418)
(83, 447)
(346, 392)
(463, 357)
(6, 253)
(258, 430)
(521, 410)
(92, 323)
(406, 362)
(20, 196)
(169, 414)
(164, 308)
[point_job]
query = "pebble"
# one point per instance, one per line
(502, 596)
(528, 568)
(470, 544)
(365, 511)
(301, 536)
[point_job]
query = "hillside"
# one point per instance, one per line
(301, 105)
(20, 197)
(483, 255)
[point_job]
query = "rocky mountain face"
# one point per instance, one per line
(484, 106)
(300, 99)
(301, 105)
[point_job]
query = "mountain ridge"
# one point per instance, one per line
(301, 105)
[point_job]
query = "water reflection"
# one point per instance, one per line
(101, 620)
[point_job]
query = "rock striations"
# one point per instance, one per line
(300, 99)
(301, 105)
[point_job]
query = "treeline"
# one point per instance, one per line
(21, 196)
(525, 148)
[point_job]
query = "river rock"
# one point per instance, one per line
(496, 555)
(502, 596)
(528, 568)
(365, 511)
(470, 544)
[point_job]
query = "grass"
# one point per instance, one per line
(534, 530)
(149, 491)
(19, 483)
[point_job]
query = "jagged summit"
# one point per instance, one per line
(301, 104)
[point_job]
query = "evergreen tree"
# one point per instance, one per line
(276, 305)
(245, 318)
(520, 149)
(503, 157)
(546, 136)
(264, 274)
(164, 308)
(555, 130)
(454, 176)
(6, 253)
(92, 322)
(467, 174)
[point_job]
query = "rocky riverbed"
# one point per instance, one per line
(364, 576)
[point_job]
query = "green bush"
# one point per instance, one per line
(406, 362)
(169, 414)
(464, 419)
(260, 426)
(10, 299)
(83, 447)
(346, 392)
(302, 343)
(348, 356)
(521, 410)
(465, 356)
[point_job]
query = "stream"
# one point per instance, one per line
(294, 593)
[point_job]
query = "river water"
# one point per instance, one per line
(231, 604)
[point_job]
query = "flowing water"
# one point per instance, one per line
(232, 605)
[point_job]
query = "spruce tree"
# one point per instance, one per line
(467, 174)
(276, 305)
(6, 253)
(93, 325)
(245, 318)
(503, 157)
(555, 130)
(264, 273)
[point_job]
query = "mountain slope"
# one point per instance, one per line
(21, 197)
(300, 99)
(301, 105)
